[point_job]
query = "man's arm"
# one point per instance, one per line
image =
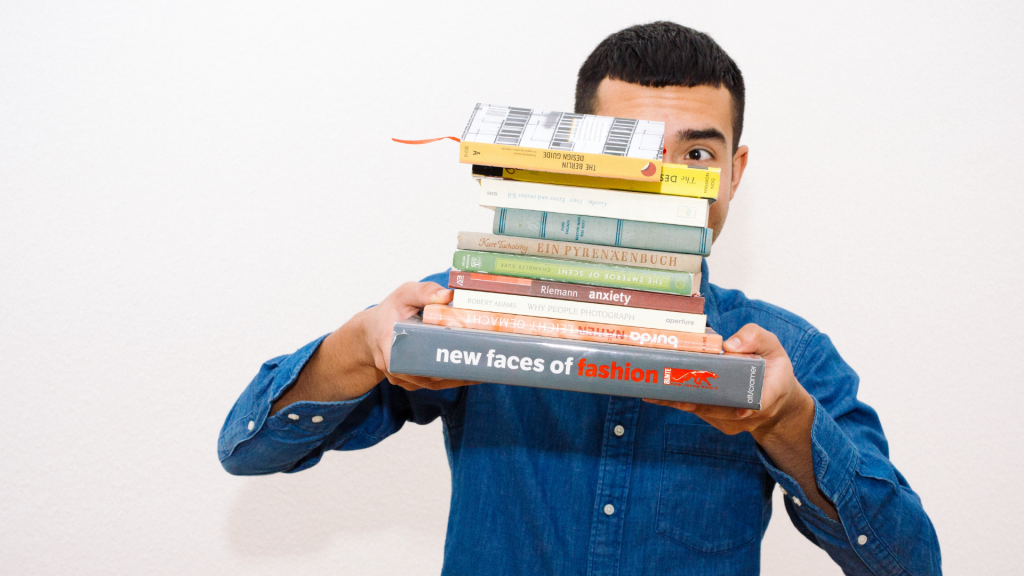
(842, 491)
(782, 428)
(354, 358)
(334, 393)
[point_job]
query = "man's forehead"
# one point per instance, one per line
(680, 108)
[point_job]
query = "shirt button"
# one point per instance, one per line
(797, 501)
(862, 539)
(251, 425)
(619, 430)
(293, 416)
(317, 419)
(609, 509)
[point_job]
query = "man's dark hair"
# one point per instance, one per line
(661, 54)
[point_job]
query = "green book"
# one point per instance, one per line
(576, 272)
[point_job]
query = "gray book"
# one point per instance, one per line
(420, 349)
(603, 231)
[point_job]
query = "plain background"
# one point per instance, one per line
(189, 189)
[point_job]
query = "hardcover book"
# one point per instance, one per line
(420, 349)
(676, 179)
(577, 251)
(573, 272)
(678, 210)
(575, 292)
(562, 142)
(578, 311)
(707, 342)
(602, 231)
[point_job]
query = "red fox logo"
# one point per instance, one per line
(677, 376)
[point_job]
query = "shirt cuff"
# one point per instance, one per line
(306, 421)
(835, 460)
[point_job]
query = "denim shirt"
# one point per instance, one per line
(556, 482)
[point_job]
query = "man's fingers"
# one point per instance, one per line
(752, 339)
(419, 294)
(410, 383)
(721, 412)
(395, 380)
(706, 412)
(413, 383)
(446, 384)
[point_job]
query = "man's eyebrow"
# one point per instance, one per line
(705, 134)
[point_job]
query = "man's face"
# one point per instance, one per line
(698, 129)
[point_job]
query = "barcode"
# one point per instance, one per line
(512, 129)
(619, 136)
(563, 132)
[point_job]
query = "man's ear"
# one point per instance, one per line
(739, 164)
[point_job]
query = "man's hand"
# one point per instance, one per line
(403, 303)
(354, 358)
(783, 425)
(782, 397)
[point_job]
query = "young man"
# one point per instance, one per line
(554, 482)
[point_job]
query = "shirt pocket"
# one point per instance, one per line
(711, 497)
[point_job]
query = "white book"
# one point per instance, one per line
(579, 311)
(639, 206)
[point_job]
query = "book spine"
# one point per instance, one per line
(695, 181)
(573, 272)
(676, 180)
(706, 342)
(422, 349)
(600, 165)
(583, 252)
(574, 292)
(602, 231)
(578, 311)
(677, 210)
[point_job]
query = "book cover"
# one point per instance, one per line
(563, 142)
(578, 311)
(421, 349)
(603, 231)
(575, 292)
(676, 180)
(573, 272)
(678, 210)
(576, 251)
(707, 342)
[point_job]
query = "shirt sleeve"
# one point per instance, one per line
(883, 528)
(252, 441)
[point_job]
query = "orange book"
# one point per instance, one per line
(708, 342)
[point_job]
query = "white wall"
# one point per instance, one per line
(188, 190)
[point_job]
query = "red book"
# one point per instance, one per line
(575, 292)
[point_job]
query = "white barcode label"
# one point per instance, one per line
(582, 133)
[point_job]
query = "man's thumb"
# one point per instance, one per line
(442, 296)
(430, 293)
(748, 340)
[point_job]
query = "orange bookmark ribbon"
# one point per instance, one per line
(427, 141)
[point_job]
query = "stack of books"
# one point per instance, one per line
(590, 277)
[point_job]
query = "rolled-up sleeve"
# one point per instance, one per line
(252, 441)
(883, 528)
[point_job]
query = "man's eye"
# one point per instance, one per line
(698, 155)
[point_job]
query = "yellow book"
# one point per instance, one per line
(676, 179)
(564, 143)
